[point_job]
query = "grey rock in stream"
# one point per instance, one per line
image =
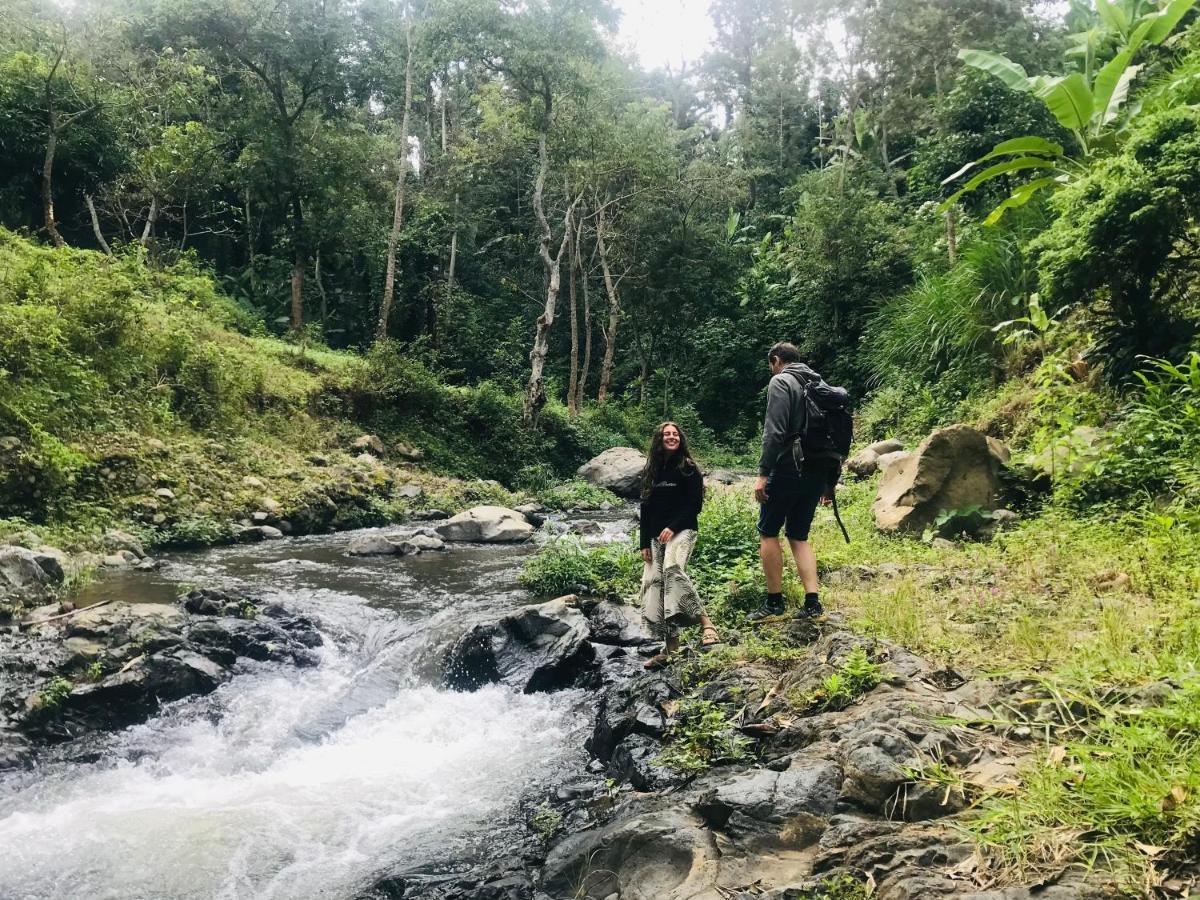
(538, 648)
(115, 664)
(619, 469)
(487, 524)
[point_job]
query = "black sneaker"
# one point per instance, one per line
(811, 609)
(768, 610)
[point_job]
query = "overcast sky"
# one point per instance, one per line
(665, 32)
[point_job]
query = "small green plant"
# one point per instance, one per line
(567, 566)
(578, 494)
(247, 610)
(953, 522)
(546, 821)
(701, 736)
(95, 671)
(53, 694)
(836, 887)
(854, 677)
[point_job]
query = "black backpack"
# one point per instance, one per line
(826, 426)
(826, 430)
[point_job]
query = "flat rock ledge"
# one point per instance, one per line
(114, 664)
(821, 797)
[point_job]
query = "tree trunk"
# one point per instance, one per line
(535, 393)
(573, 380)
(587, 345)
(887, 163)
(87, 198)
(249, 231)
(151, 220)
(389, 279)
(453, 247)
(614, 311)
(951, 236)
(48, 172)
(445, 84)
(320, 287)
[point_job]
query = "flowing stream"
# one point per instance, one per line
(295, 783)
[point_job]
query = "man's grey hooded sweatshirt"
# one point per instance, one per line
(785, 413)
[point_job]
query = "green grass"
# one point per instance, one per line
(567, 565)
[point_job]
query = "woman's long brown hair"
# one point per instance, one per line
(656, 461)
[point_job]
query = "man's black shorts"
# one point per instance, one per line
(794, 498)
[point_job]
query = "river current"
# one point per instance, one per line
(296, 783)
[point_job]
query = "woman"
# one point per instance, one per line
(672, 494)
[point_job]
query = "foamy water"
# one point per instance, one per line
(291, 783)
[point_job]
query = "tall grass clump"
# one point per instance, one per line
(945, 323)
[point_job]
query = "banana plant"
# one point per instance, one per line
(1087, 103)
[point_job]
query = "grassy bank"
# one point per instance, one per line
(1094, 616)
(146, 399)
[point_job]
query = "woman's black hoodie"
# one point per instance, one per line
(674, 501)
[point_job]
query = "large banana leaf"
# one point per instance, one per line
(1011, 73)
(1068, 98)
(1114, 17)
(1028, 144)
(1004, 168)
(1164, 22)
(1019, 197)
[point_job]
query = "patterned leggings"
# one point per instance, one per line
(669, 598)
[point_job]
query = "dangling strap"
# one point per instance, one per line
(838, 516)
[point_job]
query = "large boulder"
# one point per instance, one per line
(489, 524)
(22, 575)
(618, 469)
(954, 468)
(538, 648)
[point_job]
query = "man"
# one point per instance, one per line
(784, 493)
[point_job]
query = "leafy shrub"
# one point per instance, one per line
(566, 566)
(1154, 450)
(854, 677)
(700, 735)
(577, 493)
(725, 564)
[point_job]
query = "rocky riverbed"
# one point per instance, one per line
(412, 724)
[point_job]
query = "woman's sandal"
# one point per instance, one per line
(706, 645)
(658, 661)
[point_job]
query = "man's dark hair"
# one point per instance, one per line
(784, 352)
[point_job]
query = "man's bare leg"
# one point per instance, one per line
(806, 565)
(771, 553)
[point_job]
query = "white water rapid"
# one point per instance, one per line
(297, 783)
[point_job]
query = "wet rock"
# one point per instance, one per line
(763, 809)
(618, 469)
(22, 576)
(632, 707)
(372, 545)
(954, 468)
(486, 524)
(658, 854)
(636, 760)
(422, 543)
(252, 534)
(538, 648)
(533, 513)
(617, 623)
(874, 762)
(431, 515)
(131, 695)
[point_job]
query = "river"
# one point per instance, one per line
(296, 783)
